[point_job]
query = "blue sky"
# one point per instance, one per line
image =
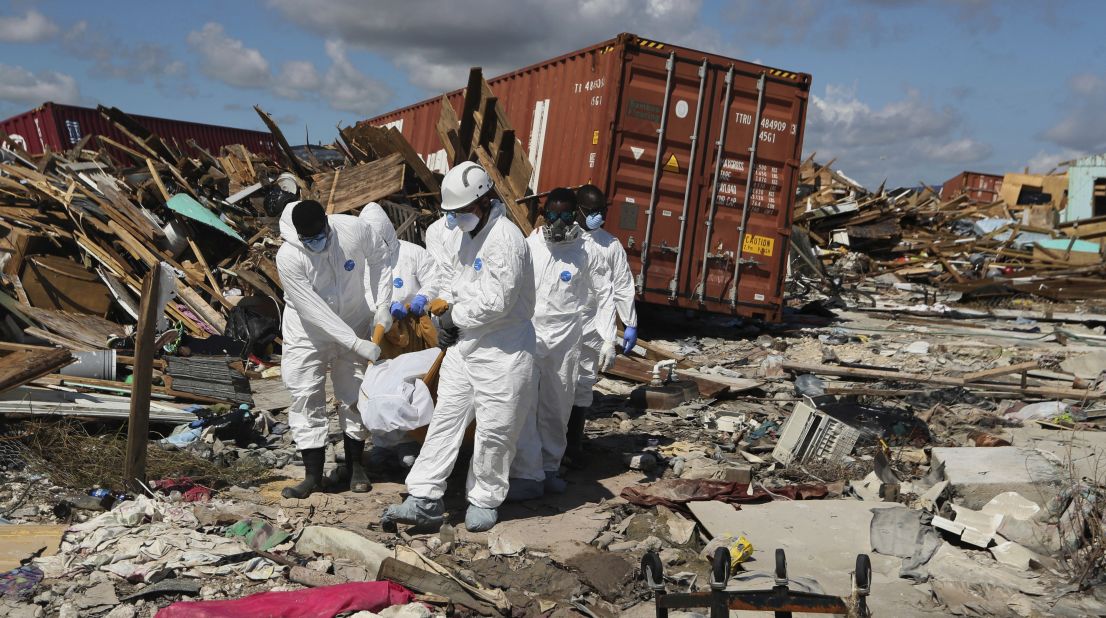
(908, 90)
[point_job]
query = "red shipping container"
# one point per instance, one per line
(978, 186)
(59, 127)
(668, 133)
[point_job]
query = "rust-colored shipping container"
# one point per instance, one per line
(668, 133)
(978, 186)
(59, 127)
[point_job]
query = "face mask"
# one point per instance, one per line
(450, 221)
(316, 243)
(594, 221)
(467, 221)
(556, 231)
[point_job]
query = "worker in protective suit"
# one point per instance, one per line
(325, 265)
(442, 240)
(487, 373)
(566, 279)
(620, 292)
(414, 282)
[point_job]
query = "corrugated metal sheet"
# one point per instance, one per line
(596, 115)
(977, 185)
(58, 127)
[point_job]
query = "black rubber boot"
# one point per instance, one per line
(313, 474)
(574, 453)
(355, 457)
(351, 475)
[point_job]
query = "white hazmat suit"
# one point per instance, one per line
(413, 273)
(618, 297)
(327, 318)
(567, 279)
(488, 374)
(442, 243)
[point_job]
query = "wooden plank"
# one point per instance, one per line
(414, 161)
(360, 184)
(138, 425)
(976, 376)
(207, 269)
(22, 366)
(448, 129)
(293, 160)
(518, 213)
(157, 180)
(874, 374)
(467, 129)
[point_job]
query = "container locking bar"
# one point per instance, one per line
(675, 283)
(646, 245)
(700, 291)
(748, 190)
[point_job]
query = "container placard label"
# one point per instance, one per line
(760, 245)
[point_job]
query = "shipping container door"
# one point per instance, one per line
(740, 256)
(653, 167)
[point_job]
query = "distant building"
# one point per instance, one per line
(979, 187)
(1086, 189)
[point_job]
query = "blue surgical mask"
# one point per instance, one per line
(594, 221)
(450, 221)
(317, 243)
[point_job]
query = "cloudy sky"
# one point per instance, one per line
(907, 90)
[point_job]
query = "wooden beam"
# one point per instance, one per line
(467, 130)
(138, 427)
(875, 374)
(293, 160)
(976, 376)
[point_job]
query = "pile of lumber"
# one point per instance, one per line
(80, 231)
(981, 250)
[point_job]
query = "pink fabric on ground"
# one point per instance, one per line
(321, 602)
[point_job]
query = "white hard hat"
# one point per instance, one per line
(463, 185)
(287, 183)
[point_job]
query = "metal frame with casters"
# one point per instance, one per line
(779, 599)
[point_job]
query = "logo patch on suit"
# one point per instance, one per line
(349, 265)
(478, 265)
(397, 282)
(566, 276)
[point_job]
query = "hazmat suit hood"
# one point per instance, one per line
(373, 215)
(288, 231)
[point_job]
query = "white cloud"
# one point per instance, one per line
(1083, 126)
(437, 42)
(296, 78)
(32, 27)
(18, 85)
(904, 141)
(229, 60)
(347, 88)
(1044, 161)
(112, 57)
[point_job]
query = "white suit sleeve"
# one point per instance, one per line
(623, 291)
(378, 274)
(599, 283)
(312, 309)
(429, 278)
(496, 289)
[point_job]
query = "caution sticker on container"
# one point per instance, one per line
(760, 245)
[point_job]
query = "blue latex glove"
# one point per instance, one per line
(629, 339)
(398, 310)
(418, 304)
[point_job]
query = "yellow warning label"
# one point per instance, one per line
(760, 245)
(672, 165)
(594, 137)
